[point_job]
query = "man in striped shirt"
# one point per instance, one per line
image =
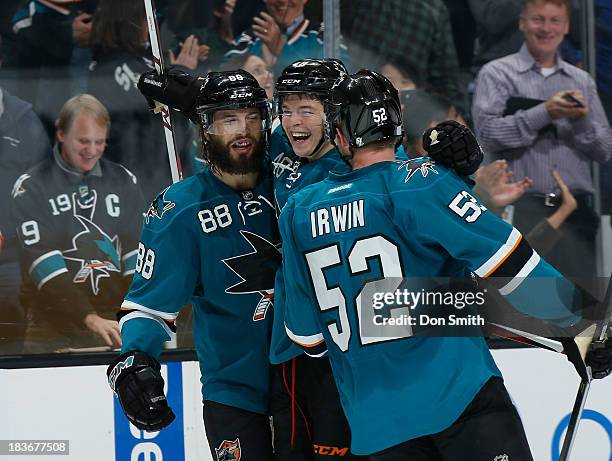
(540, 113)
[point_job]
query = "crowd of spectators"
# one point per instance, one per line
(511, 69)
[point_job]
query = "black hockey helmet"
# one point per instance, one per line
(236, 89)
(366, 108)
(311, 76)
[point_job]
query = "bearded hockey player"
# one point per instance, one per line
(209, 240)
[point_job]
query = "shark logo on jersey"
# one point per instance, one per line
(159, 206)
(102, 254)
(229, 450)
(416, 166)
(257, 271)
(18, 188)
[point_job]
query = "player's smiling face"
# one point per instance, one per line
(303, 119)
(237, 141)
(83, 144)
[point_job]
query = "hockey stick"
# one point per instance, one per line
(158, 61)
(599, 338)
(575, 354)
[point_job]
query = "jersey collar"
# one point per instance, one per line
(355, 174)
(95, 171)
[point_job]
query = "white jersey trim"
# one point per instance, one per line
(129, 255)
(500, 254)
(521, 276)
(50, 276)
(307, 341)
(41, 258)
(144, 315)
(163, 315)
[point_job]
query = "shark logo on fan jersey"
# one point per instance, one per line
(256, 270)
(102, 254)
(18, 188)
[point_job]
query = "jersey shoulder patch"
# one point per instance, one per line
(18, 187)
(173, 200)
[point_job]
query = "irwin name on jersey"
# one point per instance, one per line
(341, 217)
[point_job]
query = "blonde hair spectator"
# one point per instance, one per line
(82, 103)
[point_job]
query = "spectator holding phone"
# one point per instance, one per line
(540, 114)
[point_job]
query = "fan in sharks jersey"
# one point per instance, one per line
(209, 240)
(77, 218)
(405, 397)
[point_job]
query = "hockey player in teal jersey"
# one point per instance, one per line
(302, 155)
(209, 240)
(406, 398)
(305, 398)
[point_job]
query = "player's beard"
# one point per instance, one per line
(220, 158)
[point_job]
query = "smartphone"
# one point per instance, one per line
(570, 98)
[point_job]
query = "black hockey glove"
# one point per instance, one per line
(176, 89)
(135, 378)
(454, 146)
(599, 358)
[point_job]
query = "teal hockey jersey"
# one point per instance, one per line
(214, 247)
(396, 220)
(291, 174)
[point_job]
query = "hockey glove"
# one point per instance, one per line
(454, 146)
(134, 376)
(599, 358)
(176, 89)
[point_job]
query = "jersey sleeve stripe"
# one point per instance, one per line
(314, 344)
(522, 275)
(129, 305)
(40, 284)
(316, 356)
(42, 258)
(514, 262)
(129, 255)
(500, 255)
(137, 314)
(126, 312)
(46, 267)
(129, 262)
